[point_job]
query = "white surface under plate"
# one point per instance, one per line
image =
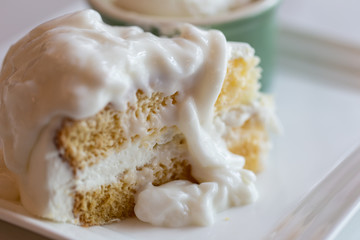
(318, 103)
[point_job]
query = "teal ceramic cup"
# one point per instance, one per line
(254, 23)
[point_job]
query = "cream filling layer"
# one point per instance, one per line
(135, 154)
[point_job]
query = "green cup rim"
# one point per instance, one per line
(110, 10)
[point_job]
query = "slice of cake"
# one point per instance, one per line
(99, 123)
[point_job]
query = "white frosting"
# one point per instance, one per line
(47, 186)
(74, 66)
(224, 182)
(180, 8)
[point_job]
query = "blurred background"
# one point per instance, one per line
(335, 19)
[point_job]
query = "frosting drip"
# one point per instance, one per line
(223, 181)
(74, 66)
